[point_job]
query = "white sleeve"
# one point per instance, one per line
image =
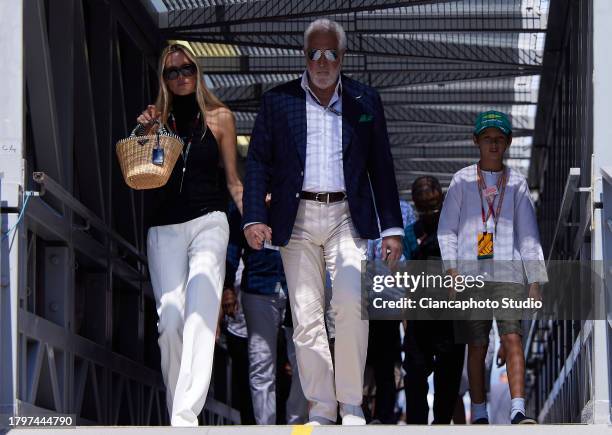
(448, 228)
(394, 231)
(528, 236)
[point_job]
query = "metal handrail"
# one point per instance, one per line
(48, 184)
(571, 188)
(538, 332)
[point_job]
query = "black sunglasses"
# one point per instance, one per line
(173, 73)
(329, 54)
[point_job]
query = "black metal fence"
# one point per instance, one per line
(559, 378)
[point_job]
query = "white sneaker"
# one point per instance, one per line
(352, 415)
(315, 420)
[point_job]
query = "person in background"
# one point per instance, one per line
(384, 342)
(236, 338)
(264, 301)
(429, 346)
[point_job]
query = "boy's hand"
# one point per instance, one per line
(501, 356)
(391, 250)
(534, 291)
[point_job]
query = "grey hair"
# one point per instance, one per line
(326, 25)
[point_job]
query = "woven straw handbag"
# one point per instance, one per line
(147, 161)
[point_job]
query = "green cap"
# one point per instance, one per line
(495, 119)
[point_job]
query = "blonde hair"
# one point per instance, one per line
(205, 98)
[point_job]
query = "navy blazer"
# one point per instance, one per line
(277, 154)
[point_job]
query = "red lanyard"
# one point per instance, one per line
(193, 130)
(501, 187)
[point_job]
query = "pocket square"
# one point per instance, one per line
(365, 117)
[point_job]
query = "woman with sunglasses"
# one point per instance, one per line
(187, 243)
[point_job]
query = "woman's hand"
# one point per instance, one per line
(148, 117)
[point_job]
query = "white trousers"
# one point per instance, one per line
(187, 267)
(324, 237)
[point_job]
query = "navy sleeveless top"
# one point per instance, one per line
(203, 188)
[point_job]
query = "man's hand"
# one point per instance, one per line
(256, 234)
(452, 293)
(229, 302)
(391, 250)
(534, 291)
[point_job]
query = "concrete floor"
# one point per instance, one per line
(328, 430)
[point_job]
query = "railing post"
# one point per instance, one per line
(603, 339)
(12, 179)
(602, 157)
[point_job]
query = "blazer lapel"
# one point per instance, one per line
(297, 122)
(350, 113)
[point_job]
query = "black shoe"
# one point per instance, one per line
(520, 418)
(481, 421)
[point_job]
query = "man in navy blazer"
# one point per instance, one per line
(320, 147)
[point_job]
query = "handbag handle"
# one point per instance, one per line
(139, 129)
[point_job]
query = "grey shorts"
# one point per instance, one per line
(477, 325)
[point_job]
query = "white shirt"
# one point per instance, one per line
(517, 252)
(324, 169)
(324, 165)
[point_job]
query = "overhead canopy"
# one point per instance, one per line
(436, 64)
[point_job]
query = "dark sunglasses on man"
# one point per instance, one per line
(329, 54)
(187, 70)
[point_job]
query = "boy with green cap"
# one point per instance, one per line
(488, 223)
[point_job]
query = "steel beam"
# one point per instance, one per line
(61, 50)
(249, 61)
(56, 190)
(386, 21)
(392, 83)
(88, 165)
(41, 92)
(180, 18)
(53, 335)
(459, 48)
(54, 227)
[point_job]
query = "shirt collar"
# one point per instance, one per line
(335, 97)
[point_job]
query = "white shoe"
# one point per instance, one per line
(352, 415)
(315, 420)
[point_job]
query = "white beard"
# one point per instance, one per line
(323, 83)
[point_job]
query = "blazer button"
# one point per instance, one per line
(302, 173)
(297, 195)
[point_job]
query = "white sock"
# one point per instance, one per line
(518, 405)
(479, 410)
